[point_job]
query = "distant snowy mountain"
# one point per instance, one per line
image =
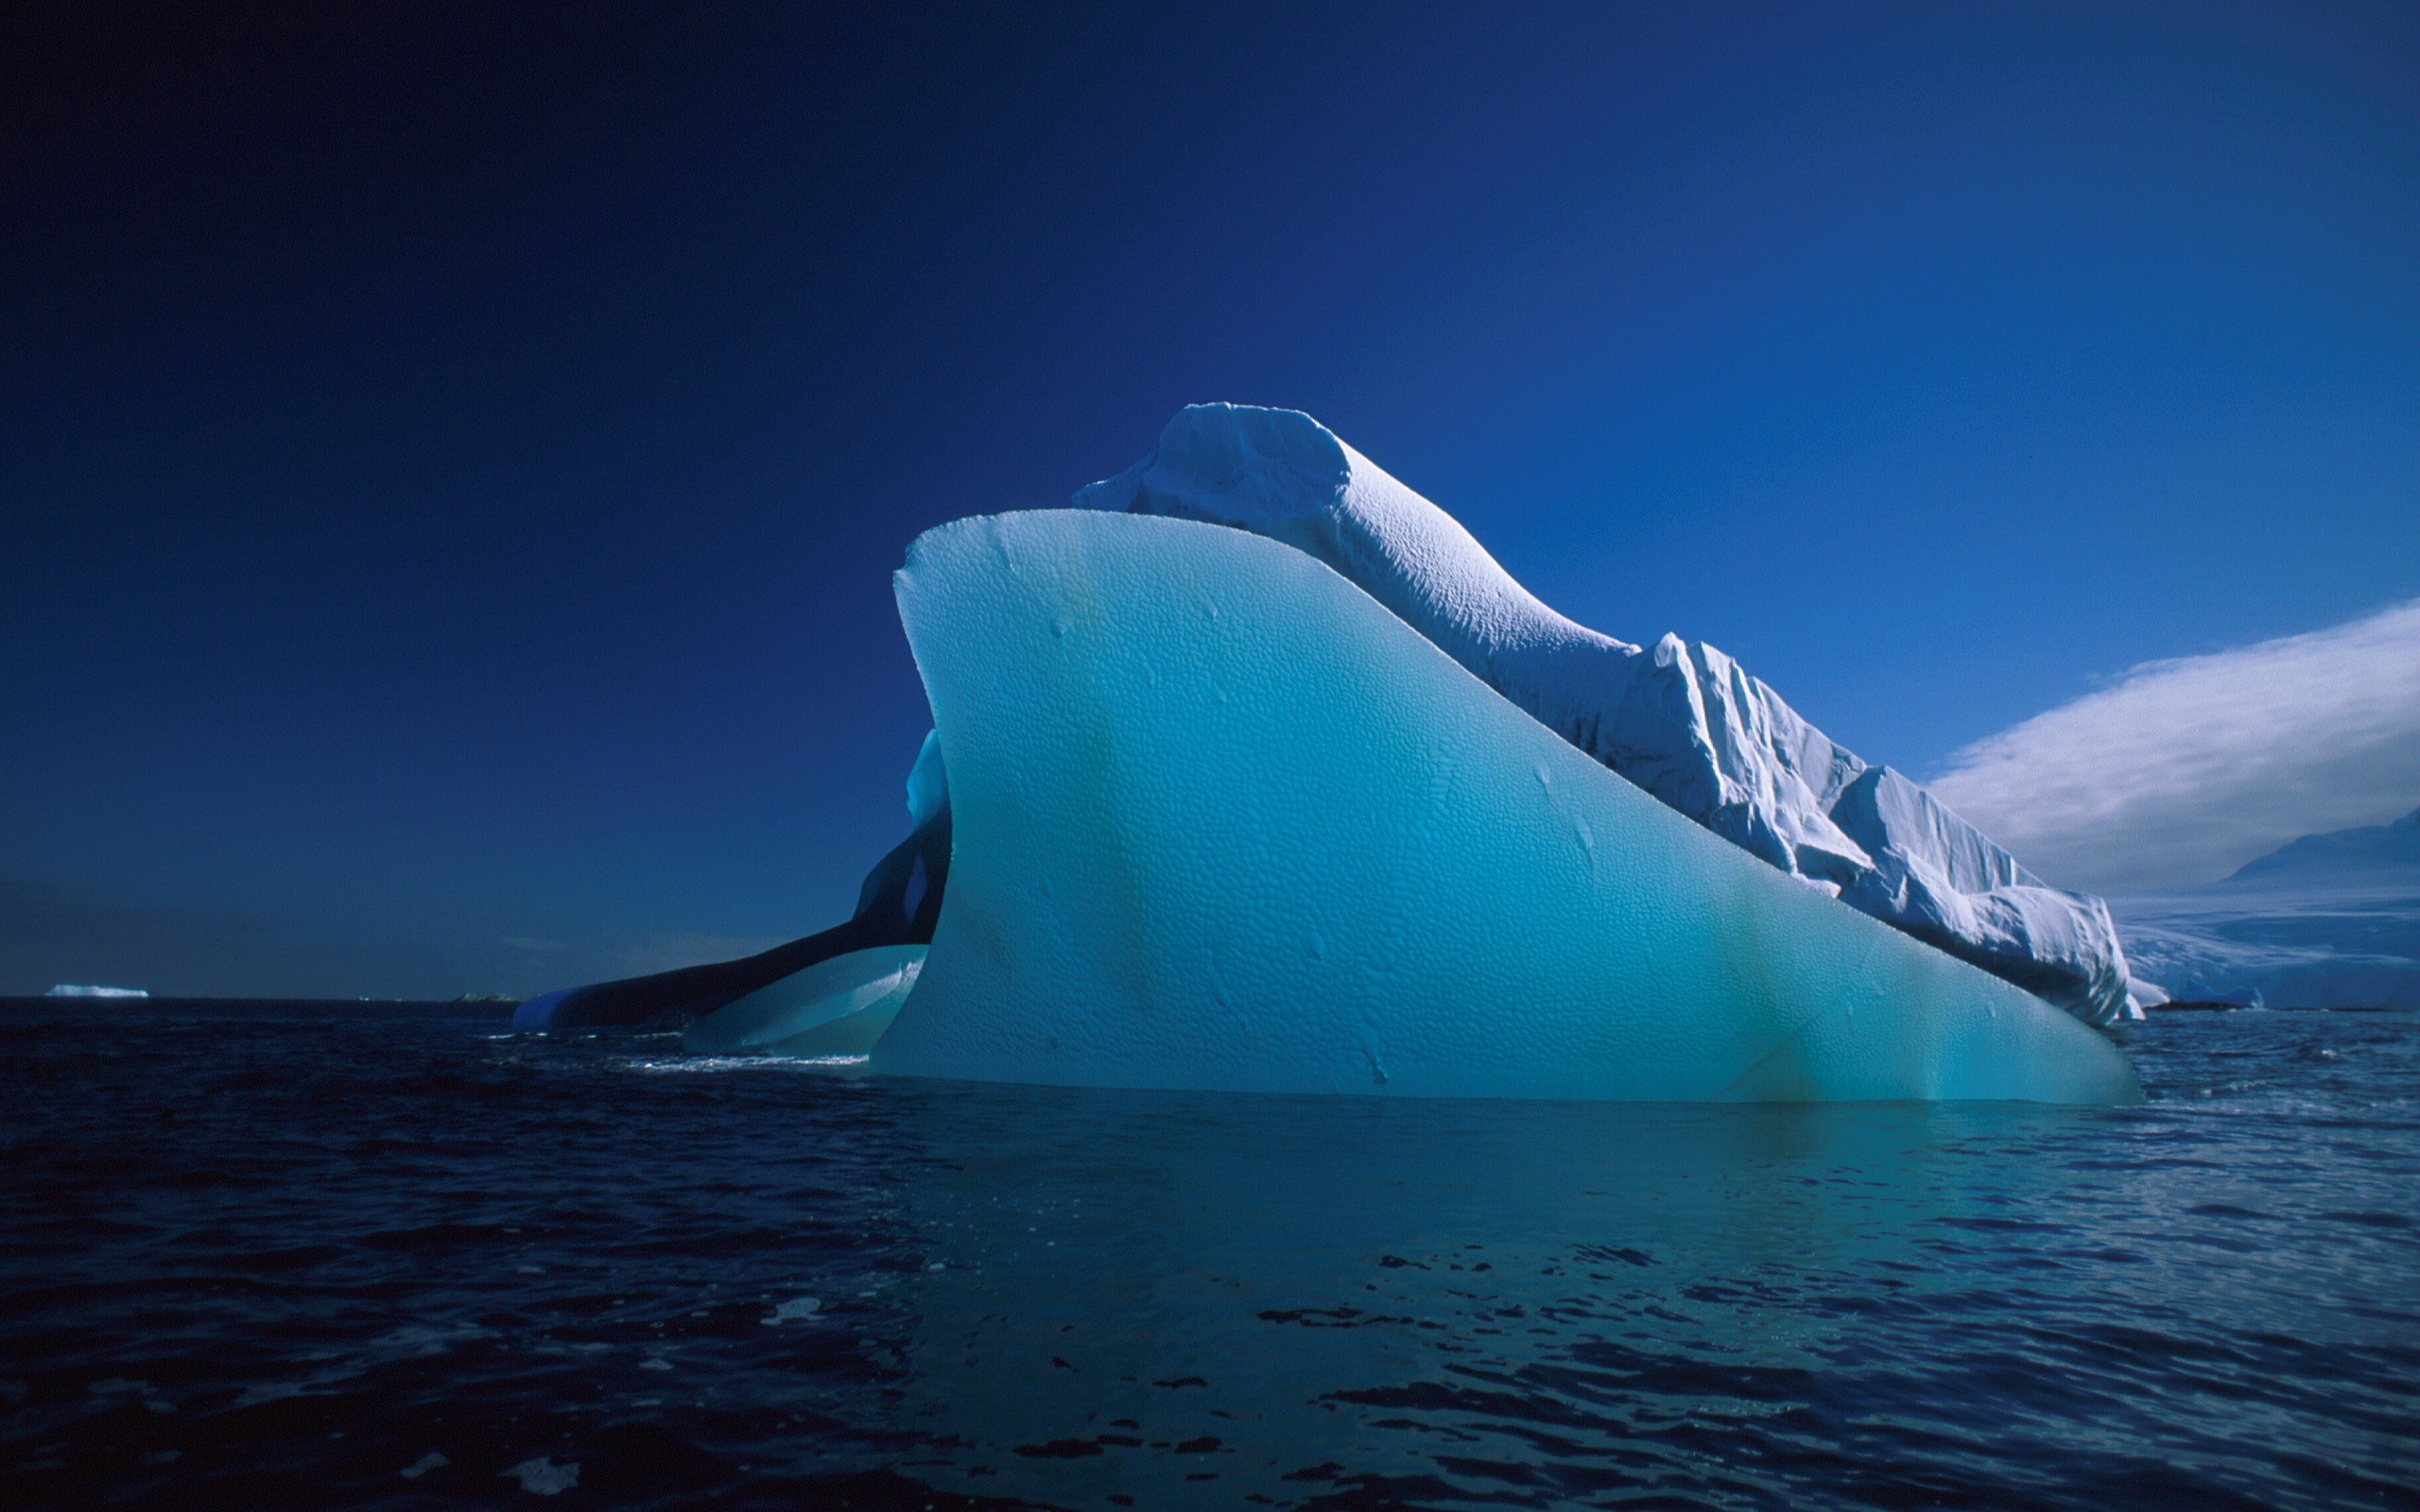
(2326, 922)
(2382, 855)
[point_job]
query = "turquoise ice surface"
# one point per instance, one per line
(1224, 822)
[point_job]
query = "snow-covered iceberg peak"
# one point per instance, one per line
(1279, 474)
(1680, 720)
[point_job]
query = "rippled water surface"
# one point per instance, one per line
(360, 1259)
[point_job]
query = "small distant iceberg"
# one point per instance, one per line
(69, 989)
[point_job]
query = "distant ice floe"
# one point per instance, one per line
(69, 989)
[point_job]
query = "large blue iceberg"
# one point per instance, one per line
(1222, 822)
(1329, 803)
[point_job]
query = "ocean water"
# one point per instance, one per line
(344, 1257)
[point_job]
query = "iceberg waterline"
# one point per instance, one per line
(1153, 889)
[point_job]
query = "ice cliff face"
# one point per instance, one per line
(1680, 720)
(1221, 822)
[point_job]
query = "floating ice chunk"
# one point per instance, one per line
(839, 1006)
(544, 1476)
(431, 1461)
(1679, 719)
(273, 1391)
(1222, 822)
(796, 1308)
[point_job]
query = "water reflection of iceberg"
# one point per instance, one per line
(1401, 1286)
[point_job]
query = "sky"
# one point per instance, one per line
(452, 457)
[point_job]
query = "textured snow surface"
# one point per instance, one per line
(1679, 719)
(2326, 921)
(1221, 821)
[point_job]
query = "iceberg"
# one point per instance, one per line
(71, 989)
(1328, 802)
(1680, 720)
(1226, 820)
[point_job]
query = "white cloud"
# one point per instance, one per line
(2184, 770)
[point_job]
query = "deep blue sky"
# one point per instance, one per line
(452, 458)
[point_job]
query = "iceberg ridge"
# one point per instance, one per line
(1680, 720)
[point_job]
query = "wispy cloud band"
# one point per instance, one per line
(2184, 769)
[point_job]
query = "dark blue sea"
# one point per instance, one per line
(347, 1256)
